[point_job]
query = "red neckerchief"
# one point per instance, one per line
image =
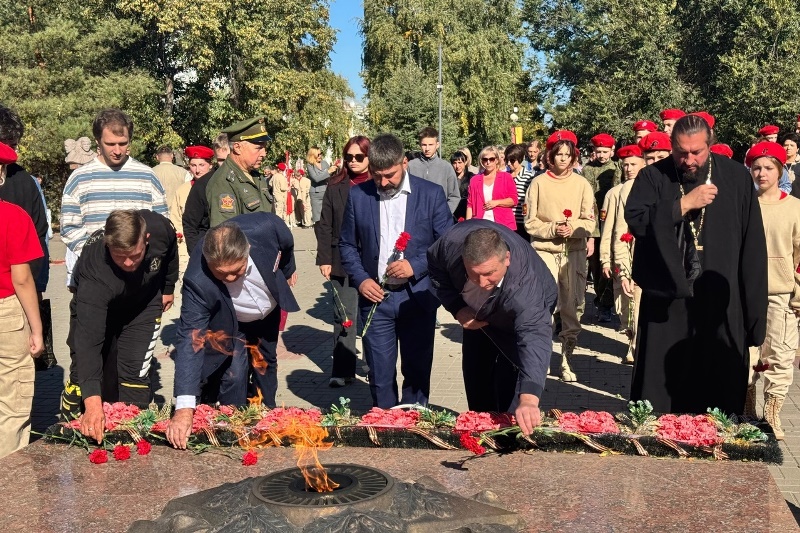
(358, 179)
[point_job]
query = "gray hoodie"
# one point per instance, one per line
(439, 171)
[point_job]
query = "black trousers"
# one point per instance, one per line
(127, 355)
(344, 339)
(490, 379)
(603, 286)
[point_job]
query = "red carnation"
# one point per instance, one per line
(121, 453)
(98, 457)
(626, 237)
(347, 323)
(471, 443)
(250, 458)
(567, 213)
(179, 235)
(460, 219)
(761, 366)
(402, 242)
(143, 447)
(616, 270)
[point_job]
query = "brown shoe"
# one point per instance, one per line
(772, 409)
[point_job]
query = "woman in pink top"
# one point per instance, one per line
(493, 193)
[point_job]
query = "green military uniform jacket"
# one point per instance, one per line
(232, 192)
(602, 178)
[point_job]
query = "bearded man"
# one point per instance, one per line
(701, 261)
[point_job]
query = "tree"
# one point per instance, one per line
(607, 63)
(482, 65)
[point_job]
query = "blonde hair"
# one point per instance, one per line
(486, 150)
(313, 153)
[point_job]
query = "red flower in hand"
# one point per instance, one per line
(143, 447)
(121, 453)
(179, 235)
(471, 443)
(347, 323)
(250, 458)
(402, 242)
(460, 219)
(761, 366)
(567, 213)
(616, 270)
(98, 457)
(626, 237)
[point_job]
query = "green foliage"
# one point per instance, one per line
(482, 68)
(639, 417)
(339, 415)
(436, 419)
(722, 420)
(750, 433)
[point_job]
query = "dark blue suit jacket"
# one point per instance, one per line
(427, 218)
(207, 305)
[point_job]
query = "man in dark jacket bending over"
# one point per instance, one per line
(501, 292)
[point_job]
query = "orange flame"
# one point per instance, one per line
(307, 441)
(256, 400)
(219, 342)
(257, 360)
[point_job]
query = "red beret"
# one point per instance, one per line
(648, 125)
(710, 120)
(7, 155)
(655, 141)
(769, 129)
(281, 166)
(722, 149)
(630, 150)
(301, 172)
(602, 140)
(671, 114)
(765, 149)
(199, 152)
(561, 135)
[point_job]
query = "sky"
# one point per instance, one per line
(346, 55)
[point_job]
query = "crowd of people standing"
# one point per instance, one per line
(697, 255)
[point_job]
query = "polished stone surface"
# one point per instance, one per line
(50, 487)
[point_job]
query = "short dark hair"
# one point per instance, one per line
(164, 149)
(11, 126)
(125, 228)
(794, 137)
(427, 132)
(385, 151)
(689, 125)
(483, 244)
(551, 153)
(458, 155)
(517, 152)
(225, 244)
(114, 119)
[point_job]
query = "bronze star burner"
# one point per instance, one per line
(365, 500)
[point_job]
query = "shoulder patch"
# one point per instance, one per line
(94, 237)
(226, 203)
(155, 264)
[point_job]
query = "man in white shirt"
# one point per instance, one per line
(232, 297)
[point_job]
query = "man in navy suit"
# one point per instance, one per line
(232, 297)
(376, 213)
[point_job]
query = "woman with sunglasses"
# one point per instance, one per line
(459, 162)
(345, 307)
(493, 194)
(560, 218)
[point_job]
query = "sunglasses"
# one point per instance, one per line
(488, 159)
(348, 158)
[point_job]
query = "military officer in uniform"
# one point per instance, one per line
(238, 187)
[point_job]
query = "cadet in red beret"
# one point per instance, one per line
(722, 149)
(603, 174)
(194, 217)
(7, 155)
(668, 118)
(769, 133)
(710, 120)
(626, 293)
(655, 146)
(643, 127)
(781, 215)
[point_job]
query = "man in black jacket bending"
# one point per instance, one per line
(501, 292)
(124, 280)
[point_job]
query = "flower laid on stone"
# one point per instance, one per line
(116, 414)
(394, 418)
(250, 458)
(479, 422)
(472, 444)
(98, 457)
(121, 453)
(281, 418)
(697, 430)
(204, 416)
(143, 447)
(588, 422)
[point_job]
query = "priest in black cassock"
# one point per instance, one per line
(701, 261)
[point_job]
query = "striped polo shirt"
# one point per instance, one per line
(94, 190)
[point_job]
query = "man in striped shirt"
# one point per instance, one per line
(112, 181)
